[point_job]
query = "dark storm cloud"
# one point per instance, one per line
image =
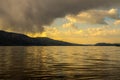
(32, 15)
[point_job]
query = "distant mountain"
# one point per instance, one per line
(107, 44)
(15, 39)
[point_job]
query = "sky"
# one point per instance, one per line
(91, 26)
(76, 21)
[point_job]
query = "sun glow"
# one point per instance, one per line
(43, 34)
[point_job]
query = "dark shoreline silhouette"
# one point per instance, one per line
(15, 39)
(107, 44)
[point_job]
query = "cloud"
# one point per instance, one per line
(88, 35)
(69, 25)
(117, 22)
(112, 22)
(32, 15)
(103, 32)
(94, 16)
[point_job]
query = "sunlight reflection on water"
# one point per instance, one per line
(60, 63)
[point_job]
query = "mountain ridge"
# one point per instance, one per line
(17, 39)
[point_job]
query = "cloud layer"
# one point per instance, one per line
(93, 16)
(103, 33)
(32, 15)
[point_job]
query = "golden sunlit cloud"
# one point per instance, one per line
(93, 16)
(37, 34)
(88, 35)
(117, 22)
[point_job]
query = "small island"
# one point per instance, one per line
(107, 44)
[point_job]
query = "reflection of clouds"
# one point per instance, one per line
(34, 57)
(69, 63)
(12, 62)
(94, 62)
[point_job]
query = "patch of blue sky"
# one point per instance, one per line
(109, 21)
(119, 12)
(59, 22)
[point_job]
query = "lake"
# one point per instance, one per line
(59, 63)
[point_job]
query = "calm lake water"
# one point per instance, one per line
(60, 63)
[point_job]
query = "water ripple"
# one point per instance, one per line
(59, 63)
